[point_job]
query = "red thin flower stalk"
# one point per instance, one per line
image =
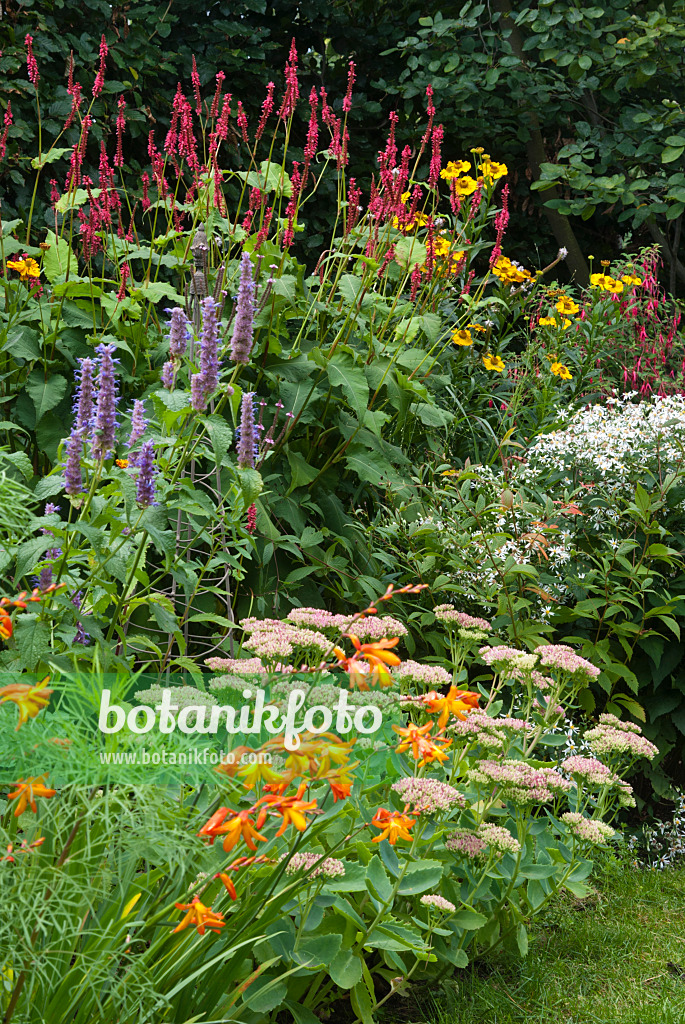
(455, 198)
(125, 274)
(54, 192)
(387, 260)
(83, 141)
(247, 221)
(467, 287)
(351, 76)
(436, 158)
(291, 209)
(129, 233)
(220, 79)
(74, 173)
(430, 248)
(76, 94)
(6, 127)
(195, 79)
(354, 195)
(251, 524)
(372, 243)
(415, 282)
(31, 62)
(187, 143)
(391, 146)
(267, 110)
(431, 114)
(242, 123)
(100, 77)
(292, 89)
(70, 71)
(312, 134)
(495, 254)
(145, 181)
(121, 125)
(257, 198)
(222, 123)
(171, 141)
(476, 200)
(263, 233)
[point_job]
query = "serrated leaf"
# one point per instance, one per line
(58, 257)
(346, 969)
(50, 157)
(32, 639)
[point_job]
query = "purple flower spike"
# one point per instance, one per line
(138, 422)
(104, 427)
(45, 579)
(179, 333)
(145, 487)
(209, 347)
(83, 399)
(50, 507)
(168, 375)
(247, 433)
(73, 481)
(243, 328)
(198, 395)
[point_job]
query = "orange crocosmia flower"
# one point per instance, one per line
(29, 699)
(424, 749)
(233, 766)
(122, 463)
(292, 808)
(454, 704)
(393, 826)
(200, 916)
(27, 791)
(245, 862)
(211, 828)
(251, 774)
(6, 628)
(228, 883)
(241, 824)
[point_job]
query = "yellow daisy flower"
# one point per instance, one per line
(462, 337)
(27, 268)
(464, 186)
(493, 363)
(632, 279)
(567, 305)
(454, 169)
(559, 370)
(547, 321)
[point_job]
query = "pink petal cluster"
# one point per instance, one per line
(612, 736)
(468, 843)
(448, 615)
(503, 657)
(328, 868)
(518, 782)
(439, 902)
(587, 829)
(489, 732)
(589, 769)
(271, 638)
(565, 658)
(428, 795)
(237, 666)
(498, 838)
(367, 627)
(424, 675)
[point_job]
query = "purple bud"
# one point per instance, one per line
(45, 579)
(168, 376)
(145, 487)
(104, 428)
(247, 434)
(50, 507)
(209, 346)
(138, 422)
(243, 328)
(83, 398)
(81, 636)
(178, 333)
(198, 395)
(73, 481)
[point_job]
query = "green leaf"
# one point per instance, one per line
(251, 485)
(29, 554)
(318, 950)
(265, 994)
(522, 939)
(49, 158)
(354, 879)
(71, 200)
(409, 252)
(361, 1003)
(32, 639)
(468, 918)
(419, 877)
(45, 394)
(346, 969)
(671, 153)
(58, 257)
(302, 472)
(585, 61)
(351, 379)
(377, 881)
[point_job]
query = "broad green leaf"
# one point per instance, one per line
(351, 379)
(346, 969)
(32, 639)
(409, 252)
(71, 200)
(58, 258)
(361, 1003)
(45, 394)
(419, 877)
(377, 881)
(49, 158)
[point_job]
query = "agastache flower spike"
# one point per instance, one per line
(73, 481)
(243, 327)
(83, 399)
(209, 345)
(105, 410)
(145, 487)
(168, 376)
(198, 395)
(247, 440)
(138, 422)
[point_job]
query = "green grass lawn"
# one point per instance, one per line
(617, 957)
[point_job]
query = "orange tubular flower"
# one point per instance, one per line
(228, 883)
(292, 808)
(393, 826)
(200, 916)
(453, 704)
(241, 824)
(29, 699)
(212, 828)
(27, 791)
(233, 766)
(6, 628)
(368, 663)
(245, 862)
(424, 749)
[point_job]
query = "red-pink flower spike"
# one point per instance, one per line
(100, 77)
(6, 127)
(242, 123)
(121, 124)
(267, 110)
(436, 158)
(220, 78)
(351, 76)
(195, 79)
(31, 62)
(292, 89)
